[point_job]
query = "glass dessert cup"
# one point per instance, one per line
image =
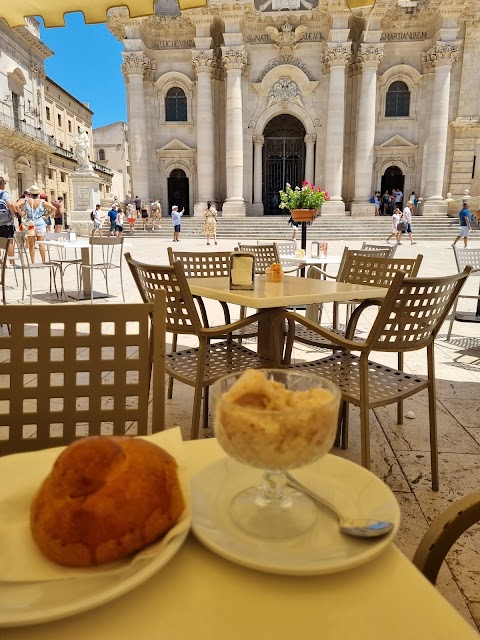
(261, 423)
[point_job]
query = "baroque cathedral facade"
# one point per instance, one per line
(230, 102)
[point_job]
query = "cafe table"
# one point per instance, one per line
(84, 246)
(274, 297)
(200, 596)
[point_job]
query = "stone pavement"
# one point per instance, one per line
(400, 454)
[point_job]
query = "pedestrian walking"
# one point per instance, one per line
(385, 203)
(138, 206)
(131, 216)
(97, 220)
(112, 215)
(176, 219)
(398, 198)
(58, 215)
(406, 222)
(395, 220)
(156, 211)
(294, 226)
(7, 216)
(414, 199)
(144, 216)
(36, 211)
(465, 227)
(210, 224)
(119, 223)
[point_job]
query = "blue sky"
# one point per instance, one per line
(87, 64)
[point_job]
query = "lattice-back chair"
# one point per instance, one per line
(82, 370)
(361, 268)
(21, 252)
(409, 319)
(464, 257)
(367, 246)
(265, 255)
(200, 366)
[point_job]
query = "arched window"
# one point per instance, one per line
(175, 105)
(398, 100)
(101, 154)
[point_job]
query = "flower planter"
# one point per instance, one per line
(304, 215)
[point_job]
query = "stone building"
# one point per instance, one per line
(38, 119)
(230, 102)
(110, 145)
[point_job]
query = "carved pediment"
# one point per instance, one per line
(175, 145)
(397, 141)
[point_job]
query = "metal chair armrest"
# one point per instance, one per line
(213, 332)
(314, 267)
(444, 532)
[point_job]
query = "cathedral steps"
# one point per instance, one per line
(276, 228)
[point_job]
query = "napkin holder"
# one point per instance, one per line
(72, 236)
(242, 270)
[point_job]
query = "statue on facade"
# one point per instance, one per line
(82, 146)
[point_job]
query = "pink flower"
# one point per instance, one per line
(305, 182)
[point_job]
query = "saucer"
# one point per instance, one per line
(322, 549)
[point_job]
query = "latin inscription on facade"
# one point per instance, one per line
(83, 197)
(264, 38)
(173, 44)
(399, 37)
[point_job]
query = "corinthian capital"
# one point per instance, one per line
(203, 60)
(234, 58)
(258, 141)
(370, 55)
(135, 64)
(310, 140)
(442, 54)
(338, 54)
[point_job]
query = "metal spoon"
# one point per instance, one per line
(357, 527)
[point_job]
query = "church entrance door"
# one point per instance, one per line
(393, 178)
(283, 159)
(178, 191)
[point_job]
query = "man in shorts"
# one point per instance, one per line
(97, 221)
(144, 215)
(7, 216)
(138, 206)
(156, 211)
(176, 219)
(465, 225)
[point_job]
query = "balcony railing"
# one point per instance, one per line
(102, 168)
(15, 124)
(60, 151)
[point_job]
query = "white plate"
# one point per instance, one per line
(322, 549)
(41, 591)
(25, 603)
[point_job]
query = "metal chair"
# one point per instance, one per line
(442, 534)
(409, 319)
(23, 256)
(106, 264)
(197, 367)
(82, 370)
(59, 262)
(265, 255)
(464, 257)
(4, 247)
(366, 246)
(359, 267)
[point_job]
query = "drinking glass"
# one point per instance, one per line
(297, 433)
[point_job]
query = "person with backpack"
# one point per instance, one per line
(112, 214)
(405, 224)
(7, 216)
(97, 220)
(156, 211)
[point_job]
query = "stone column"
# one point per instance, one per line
(310, 157)
(203, 63)
(441, 58)
(234, 61)
(368, 59)
(133, 69)
(257, 208)
(337, 57)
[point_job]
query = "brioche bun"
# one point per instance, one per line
(105, 498)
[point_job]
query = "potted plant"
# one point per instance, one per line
(305, 202)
